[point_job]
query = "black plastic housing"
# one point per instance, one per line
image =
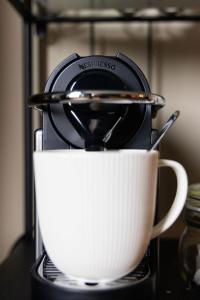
(92, 73)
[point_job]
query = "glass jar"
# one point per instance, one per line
(189, 245)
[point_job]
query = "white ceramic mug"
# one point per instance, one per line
(96, 209)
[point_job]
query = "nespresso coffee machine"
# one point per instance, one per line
(95, 102)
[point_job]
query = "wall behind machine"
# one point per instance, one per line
(175, 75)
(11, 129)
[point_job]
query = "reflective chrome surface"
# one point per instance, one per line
(49, 272)
(164, 130)
(98, 97)
(38, 236)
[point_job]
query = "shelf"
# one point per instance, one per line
(59, 5)
(51, 11)
(16, 284)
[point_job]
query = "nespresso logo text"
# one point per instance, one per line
(97, 63)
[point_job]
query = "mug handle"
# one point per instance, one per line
(179, 200)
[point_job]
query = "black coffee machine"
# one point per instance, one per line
(96, 103)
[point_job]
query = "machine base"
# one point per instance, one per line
(50, 284)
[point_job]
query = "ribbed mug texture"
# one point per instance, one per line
(96, 209)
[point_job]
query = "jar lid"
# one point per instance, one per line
(194, 191)
(193, 198)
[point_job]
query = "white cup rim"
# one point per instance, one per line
(78, 151)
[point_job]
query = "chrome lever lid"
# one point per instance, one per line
(97, 114)
(93, 97)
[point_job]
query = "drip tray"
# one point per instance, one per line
(50, 284)
(48, 271)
